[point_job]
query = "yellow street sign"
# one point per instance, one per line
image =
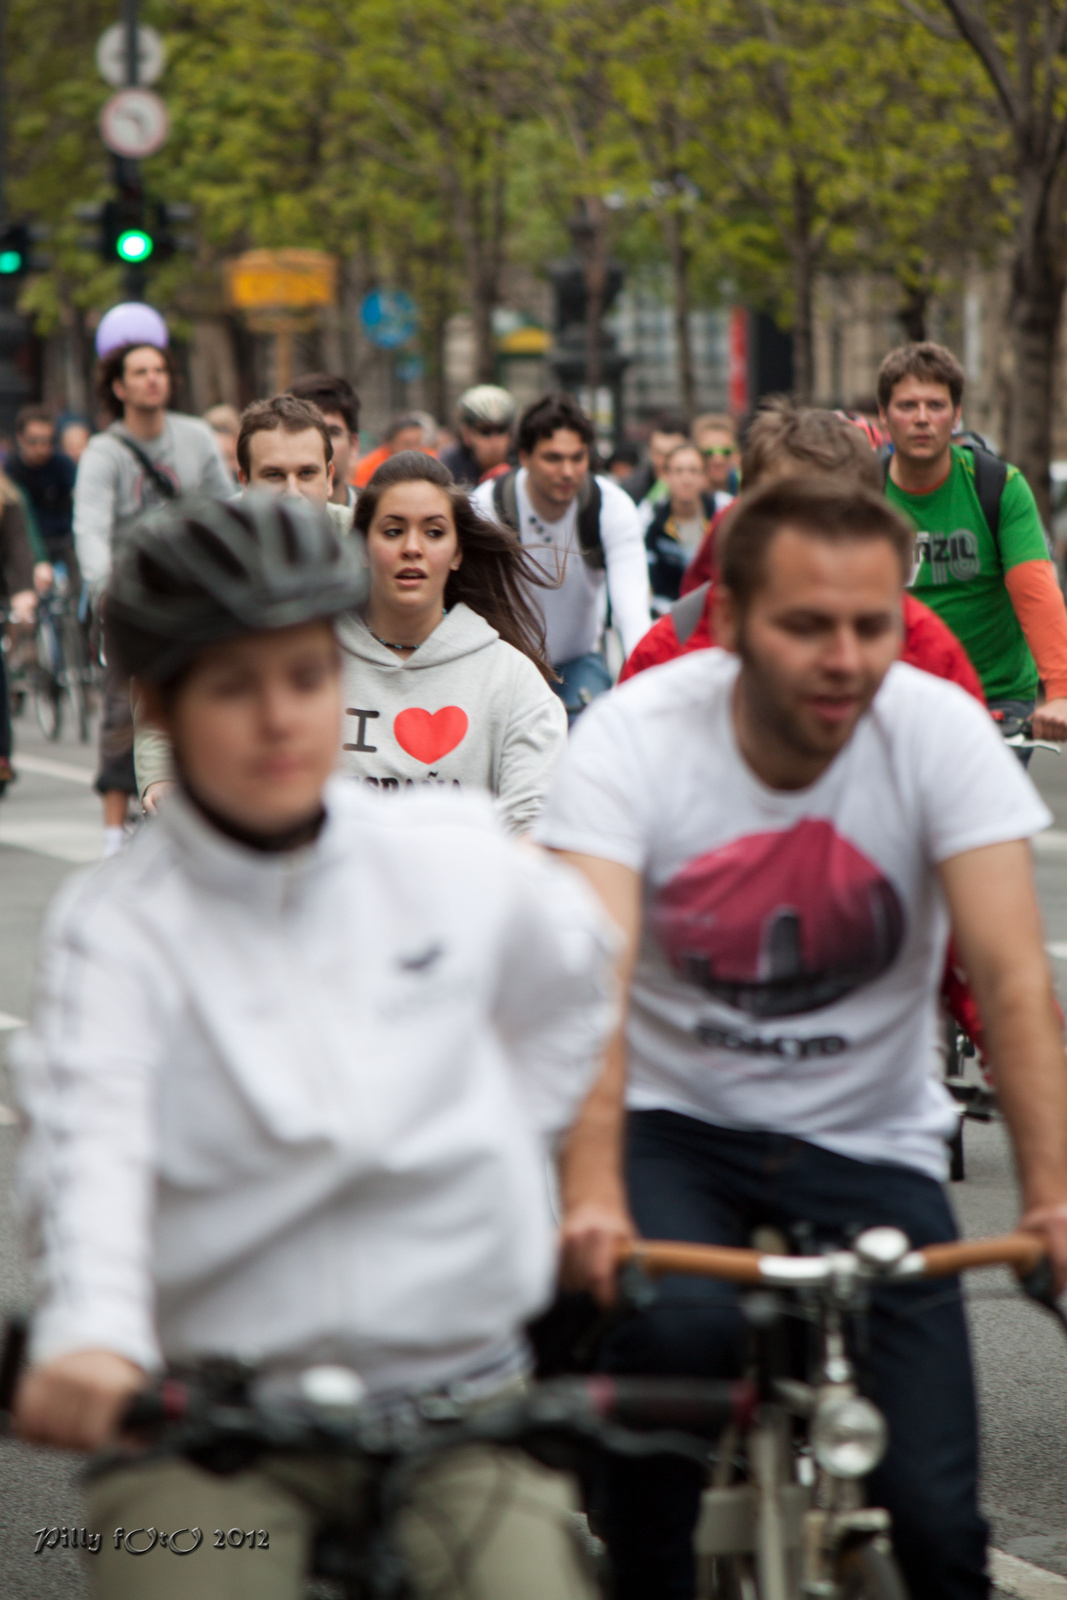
(281, 280)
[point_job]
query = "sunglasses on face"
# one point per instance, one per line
(717, 450)
(486, 430)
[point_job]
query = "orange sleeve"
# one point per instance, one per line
(1038, 603)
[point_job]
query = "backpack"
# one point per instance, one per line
(990, 476)
(687, 612)
(506, 506)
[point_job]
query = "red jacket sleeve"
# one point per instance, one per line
(659, 644)
(931, 645)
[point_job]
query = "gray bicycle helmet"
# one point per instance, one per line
(487, 402)
(198, 571)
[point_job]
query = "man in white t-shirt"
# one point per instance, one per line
(584, 531)
(784, 830)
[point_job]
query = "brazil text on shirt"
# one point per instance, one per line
(961, 571)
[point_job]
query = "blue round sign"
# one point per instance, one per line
(389, 317)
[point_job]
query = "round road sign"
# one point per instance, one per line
(111, 55)
(389, 317)
(134, 124)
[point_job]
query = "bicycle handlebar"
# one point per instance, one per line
(701, 1407)
(1021, 1251)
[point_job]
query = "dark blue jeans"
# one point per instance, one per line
(690, 1181)
(581, 681)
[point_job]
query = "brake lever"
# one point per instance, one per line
(12, 1358)
(1040, 1284)
(1019, 741)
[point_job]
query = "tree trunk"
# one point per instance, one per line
(482, 314)
(595, 239)
(481, 217)
(435, 321)
(912, 311)
(679, 257)
(1034, 315)
(803, 319)
(803, 293)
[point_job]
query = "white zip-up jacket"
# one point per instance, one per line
(296, 1107)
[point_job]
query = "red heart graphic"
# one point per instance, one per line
(430, 735)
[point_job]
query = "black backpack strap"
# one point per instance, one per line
(161, 481)
(687, 612)
(506, 506)
(590, 543)
(990, 476)
(506, 499)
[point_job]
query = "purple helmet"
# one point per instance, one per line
(130, 323)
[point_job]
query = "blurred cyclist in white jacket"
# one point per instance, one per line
(296, 1061)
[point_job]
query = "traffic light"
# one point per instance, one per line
(136, 229)
(126, 232)
(15, 248)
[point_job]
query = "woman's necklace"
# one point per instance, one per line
(388, 645)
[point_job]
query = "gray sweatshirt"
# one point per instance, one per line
(112, 486)
(465, 710)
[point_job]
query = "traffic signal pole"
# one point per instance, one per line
(127, 172)
(13, 386)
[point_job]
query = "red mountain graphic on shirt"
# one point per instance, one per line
(777, 924)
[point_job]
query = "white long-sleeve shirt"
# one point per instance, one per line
(112, 486)
(574, 612)
(296, 1107)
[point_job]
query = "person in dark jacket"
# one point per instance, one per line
(486, 420)
(46, 478)
(18, 599)
(645, 485)
(679, 522)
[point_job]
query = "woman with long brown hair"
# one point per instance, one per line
(446, 680)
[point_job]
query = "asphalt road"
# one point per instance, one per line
(50, 820)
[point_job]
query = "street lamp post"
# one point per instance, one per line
(13, 385)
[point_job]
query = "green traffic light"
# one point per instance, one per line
(133, 245)
(10, 261)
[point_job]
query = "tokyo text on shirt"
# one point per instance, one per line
(793, 941)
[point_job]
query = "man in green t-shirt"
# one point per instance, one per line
(998, 593)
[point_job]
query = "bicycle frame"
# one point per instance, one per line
(794, 1514)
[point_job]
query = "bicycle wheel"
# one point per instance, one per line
(79, 671)
(728, 1578)
(869, 1571)
(47, 681)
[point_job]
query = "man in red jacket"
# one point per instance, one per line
(784, 441)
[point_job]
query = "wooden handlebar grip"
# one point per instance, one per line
(1022, 1251)
(700, 1260)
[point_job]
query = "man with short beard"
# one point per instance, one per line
(784, 830)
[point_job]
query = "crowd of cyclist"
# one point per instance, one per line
(303, 1052)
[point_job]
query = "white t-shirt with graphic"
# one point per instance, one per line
(794, 940)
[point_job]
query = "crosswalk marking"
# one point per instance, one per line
(44, 767)
(77, 842)
(1011, 1575)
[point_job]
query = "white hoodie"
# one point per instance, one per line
(295, 1107)
(465, 711)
